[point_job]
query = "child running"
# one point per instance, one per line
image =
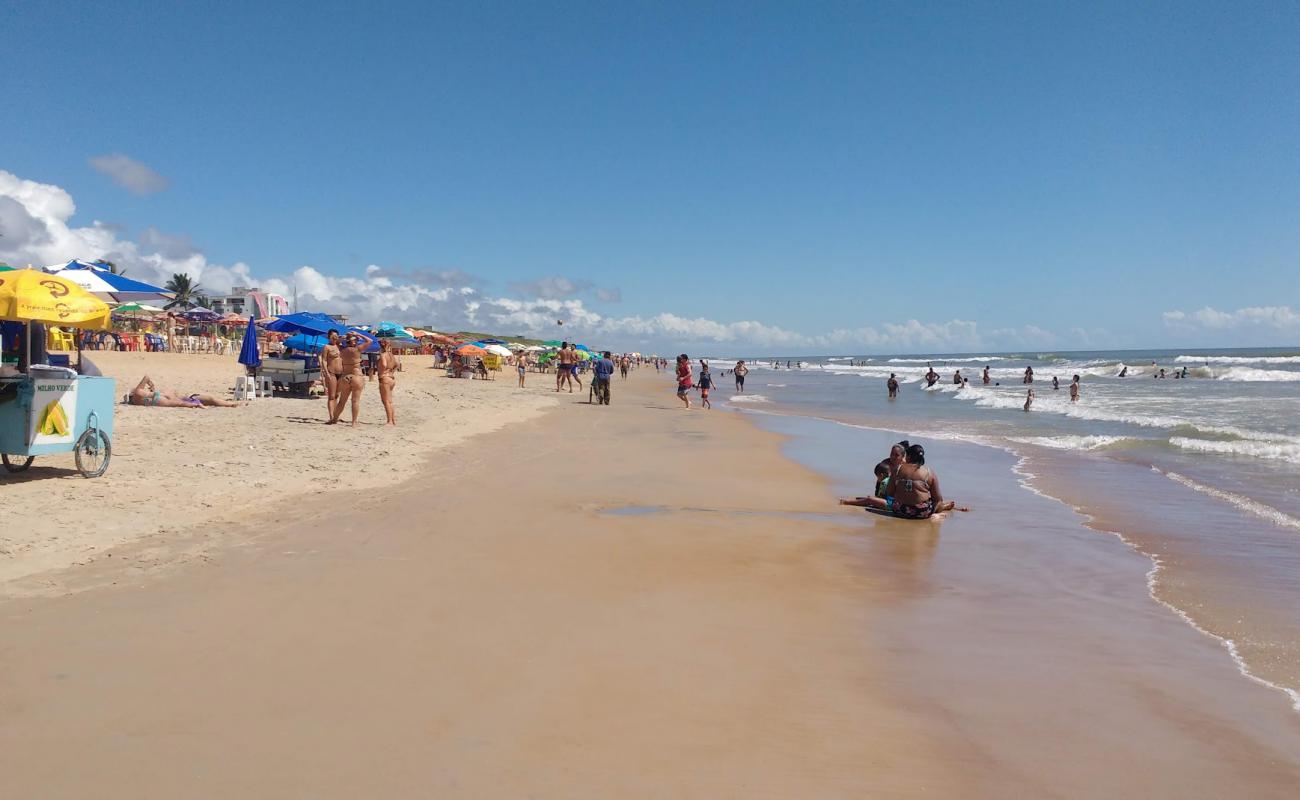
(706, 383)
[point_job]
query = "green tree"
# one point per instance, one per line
(187, 291)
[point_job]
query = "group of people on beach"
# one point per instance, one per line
(705, 384)
(344, 378)
(905, 486)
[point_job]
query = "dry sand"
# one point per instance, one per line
(181, 478)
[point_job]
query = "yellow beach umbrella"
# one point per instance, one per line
(30, 295)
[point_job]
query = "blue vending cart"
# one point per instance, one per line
(54, 410)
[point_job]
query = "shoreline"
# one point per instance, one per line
(1092, 517)
(1094, 599)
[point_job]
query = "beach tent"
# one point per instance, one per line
(107, 285)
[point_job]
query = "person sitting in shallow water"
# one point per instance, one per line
(881, 499)
(915, 488)
(147, 393)
(888, 474)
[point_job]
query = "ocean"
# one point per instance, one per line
(1200, 474)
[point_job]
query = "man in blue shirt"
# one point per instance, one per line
(603, 370)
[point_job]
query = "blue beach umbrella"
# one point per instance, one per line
(309, 322)
(248, 355)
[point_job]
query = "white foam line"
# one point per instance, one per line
(1025, 479)
(1244, 504)
(1153, 583)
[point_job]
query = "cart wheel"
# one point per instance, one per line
(16, 466)
(93, 452)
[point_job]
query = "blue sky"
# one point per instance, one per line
(775, 177)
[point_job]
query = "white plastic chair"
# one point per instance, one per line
(245, 387)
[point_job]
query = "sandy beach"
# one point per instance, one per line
(632, 601)
(182, 479)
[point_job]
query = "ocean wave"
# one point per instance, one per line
(1253, 507)
(1255, 374)
(937, 360)
(1252, 448)
(1238, 359)
(1072, 442)
(1234, 432)
(748, 398)
(775, 385)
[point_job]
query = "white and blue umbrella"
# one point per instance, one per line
(106, 285)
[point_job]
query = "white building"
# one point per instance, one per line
(244, 300)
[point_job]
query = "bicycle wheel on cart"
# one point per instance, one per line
(93, 451)
(17, 463)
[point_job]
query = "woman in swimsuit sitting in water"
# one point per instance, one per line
(913, 488)
(387, 370)
(147, 393)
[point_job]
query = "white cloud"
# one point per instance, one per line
(1265, 318)
(35, 220)
(130, 174)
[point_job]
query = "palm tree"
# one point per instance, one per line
(186, 290)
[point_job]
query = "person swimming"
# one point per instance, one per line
(1029, 399)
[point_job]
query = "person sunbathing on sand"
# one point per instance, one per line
(147, 393)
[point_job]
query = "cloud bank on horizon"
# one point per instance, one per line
(36, 228)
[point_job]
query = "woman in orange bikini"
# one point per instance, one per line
(387, 371)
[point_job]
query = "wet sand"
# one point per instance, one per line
(493, 630)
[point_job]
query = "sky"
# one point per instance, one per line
(759, 178)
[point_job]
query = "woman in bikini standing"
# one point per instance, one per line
(351, 381)
(331, 365)
(387, 371)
